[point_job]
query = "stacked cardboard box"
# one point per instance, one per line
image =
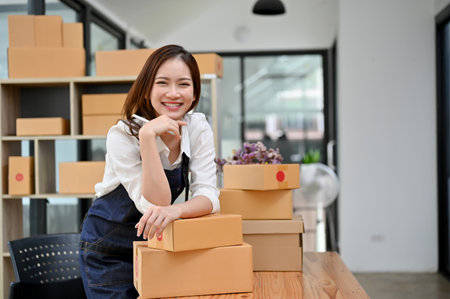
(44, 46)
(101, 111)
(262, 194)
(204, 255)
(130, 62)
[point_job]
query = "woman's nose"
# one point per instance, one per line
(172, 91)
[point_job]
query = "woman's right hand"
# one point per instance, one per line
(160, 126)
(156, 219)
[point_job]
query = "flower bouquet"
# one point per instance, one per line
(254, 167)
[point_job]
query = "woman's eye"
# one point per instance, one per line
(184, 84)
(160, 82)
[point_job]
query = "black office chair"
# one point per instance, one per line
(46, 266)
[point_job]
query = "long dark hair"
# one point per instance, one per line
(138, 99)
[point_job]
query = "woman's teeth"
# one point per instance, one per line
(171, 105)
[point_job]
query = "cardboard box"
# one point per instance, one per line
(130, 62)
(21, 31)
(209, 63)
(99, 124)
(121, 62)
(72, 35)
(48, 31)
(253, 204)
(201, 232)
(46, 62)
(277, 244)
(99, 104)
(38, 126)
(21, 175)
(160, 273)
(80, 177)
(261, 176)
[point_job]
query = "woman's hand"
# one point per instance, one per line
(162, 125)
(156, 219)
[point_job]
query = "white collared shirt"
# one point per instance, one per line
(124, 166)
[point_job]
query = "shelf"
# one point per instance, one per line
(68, 80)
(56, 137)
(49, 195)
(6, 254)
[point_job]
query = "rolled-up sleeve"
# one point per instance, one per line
(201, 163)
(123, 156)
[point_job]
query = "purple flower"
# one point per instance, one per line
(252, 153)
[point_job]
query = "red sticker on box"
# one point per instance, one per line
(280, 176)
(19, 177)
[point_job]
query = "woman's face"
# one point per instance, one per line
(172, 92)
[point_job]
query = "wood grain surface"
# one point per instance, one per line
(324, 276)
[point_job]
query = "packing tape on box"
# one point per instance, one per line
(281, 176)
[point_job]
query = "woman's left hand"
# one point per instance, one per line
(155, 220)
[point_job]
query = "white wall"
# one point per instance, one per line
(387, 135)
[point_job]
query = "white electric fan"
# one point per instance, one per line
(319, 187)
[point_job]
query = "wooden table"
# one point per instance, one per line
(324, 275)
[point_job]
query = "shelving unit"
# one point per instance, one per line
(56, 97)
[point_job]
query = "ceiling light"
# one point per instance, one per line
(269, 7)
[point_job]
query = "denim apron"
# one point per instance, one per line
(106, 242)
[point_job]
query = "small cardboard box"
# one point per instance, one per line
(99, 124)
(277, 244)
(254, 204)
(209, 63)
(80, 177)
(21, 31)
(121, 62)
(46, 62)
(201, 232)
(48, 31)
(72, 35)
(160, 273)
(21, 175)
(38, 126)
(99, 104)
(261, 176)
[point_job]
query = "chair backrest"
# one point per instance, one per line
(46, 258)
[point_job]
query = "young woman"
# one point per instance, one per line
(147, 166)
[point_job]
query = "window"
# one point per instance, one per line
(283, 102)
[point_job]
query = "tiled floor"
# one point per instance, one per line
(404, 285)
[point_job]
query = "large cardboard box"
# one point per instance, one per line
(209, 63)
(201, 232)
(121, 62)
(254, 204)
(48, 31)
(46, 62)
(99, 124)
(160, 273)
(21, 175)
(38, 126)
(261, 176)
(80, 177)
(21, 31)
(99, 104)
(277, 244)
(72, 34)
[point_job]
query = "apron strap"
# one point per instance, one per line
(185, 170)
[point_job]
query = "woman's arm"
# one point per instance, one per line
(155, 187)
(156, 218)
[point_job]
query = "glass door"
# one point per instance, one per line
(284, 103)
